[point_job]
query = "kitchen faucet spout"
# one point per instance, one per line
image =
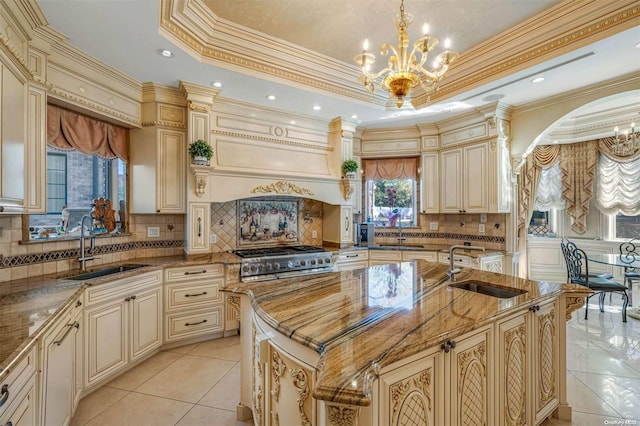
(83, 255)
(452, 272)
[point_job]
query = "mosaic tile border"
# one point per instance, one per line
(446, 235)
(52, 256)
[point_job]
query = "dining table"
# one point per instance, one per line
(622, 261)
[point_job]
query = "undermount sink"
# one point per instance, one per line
(103, 272)
(488, 289)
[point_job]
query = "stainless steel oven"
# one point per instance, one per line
(269, 263)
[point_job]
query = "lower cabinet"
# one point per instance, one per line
(527, 374)
(194, 304)
(352, 259)
(123, 322)
(450, 385)
(18, 393)
(58, 366)
(382, 257)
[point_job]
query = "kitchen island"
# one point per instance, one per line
(396, 344)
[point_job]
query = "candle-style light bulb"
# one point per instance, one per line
(365, 44)
(615, 130)
(447, 43)
(425, 28)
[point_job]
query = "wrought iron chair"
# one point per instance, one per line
(578, 273)
(629, 252)
(563, 245)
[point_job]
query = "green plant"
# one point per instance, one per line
(201, 148)
(349, 166)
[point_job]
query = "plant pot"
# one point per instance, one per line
(200, 161)
(351, 175)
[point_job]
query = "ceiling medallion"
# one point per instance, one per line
(404, 71)
(282, 187)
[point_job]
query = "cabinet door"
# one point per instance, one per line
(346, 227)
(546, 377)
(199, 227)
(471, 380)
(23, 411)
(408, 394)
(78, 364)
(356, 195)
(106, 337)
(512, 361)
(430, 184)
(145, 322)
(58, 349)
(171, 166)
(431, 256)
(451, 183)
(476, 178)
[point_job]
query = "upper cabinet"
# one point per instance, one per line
(13, 92)
(158, 154)
(465, 182)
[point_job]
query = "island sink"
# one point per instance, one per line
(488, 289)
(103, 272)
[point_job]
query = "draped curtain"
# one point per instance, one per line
(67, 131)
(578, 164)
(549, 194)
(618, 189)
(391, 168)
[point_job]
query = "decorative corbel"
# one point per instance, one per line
(201, 175)
(347, 189)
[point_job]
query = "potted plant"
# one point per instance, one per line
(201, 152)
(349, 168)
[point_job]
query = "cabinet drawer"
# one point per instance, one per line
(188, 273)
(193, 295)
(18, 376)
(350, 266)
(458, 260)
(191, 324)
(355, 255)
(390, 255)
(122, 288)
(431, 256)
(20, 408)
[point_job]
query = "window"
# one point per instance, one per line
(74, 180)
(626, 227)
(392, 202)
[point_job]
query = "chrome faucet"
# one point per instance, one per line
(452, 272)
(83, 256)
(400, 237)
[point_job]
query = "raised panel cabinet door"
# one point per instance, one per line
(58, 350)
(430, 183)
(145, 321)
(476, 178)
(198, 228)
(346, 226)
(171, 171)
(512, 363)
(408, 394)
(13, 114)
(106, 337)
(36, 151)
(471, 380)
(451, 182)
(546, 377)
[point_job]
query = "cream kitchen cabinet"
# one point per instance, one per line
(13, 113)
(356, 194)
(198, 232)
(158, 158)
(527, 366)
(58, 366)
(491, 263)
(451, 384)
(430, 183)
(465, 179)
(123, 323)
(381, 257)
(352, 259)
(193, 302)
(18, 393)
(337, 224)
(430, 256)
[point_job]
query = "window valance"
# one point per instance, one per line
(618, 186)
(67, 131)
(391, 168)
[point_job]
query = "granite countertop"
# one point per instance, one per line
(28, 306)
(361, 321)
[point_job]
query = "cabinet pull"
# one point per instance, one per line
(199, 227)
(351, 255)
(346, 223)
(66, 333)
(133, 297)
(4, 394)
(195, 295)
(195, 323)
(78, 303)
(204, 271)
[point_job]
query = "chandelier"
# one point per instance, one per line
(627, 143)
(404, 70)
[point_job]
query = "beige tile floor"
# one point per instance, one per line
(199, 384)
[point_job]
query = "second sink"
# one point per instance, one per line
(104, 271)
(488, 289)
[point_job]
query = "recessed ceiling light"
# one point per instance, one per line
(538, 80)
(216, 84)
(638, 45)
(165, 53)
(271, 97)
(317, 107)
(354, 116)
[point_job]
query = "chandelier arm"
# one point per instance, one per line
(385, 48)
(376, 75)
(437, 75)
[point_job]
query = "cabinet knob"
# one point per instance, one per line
(127, 299)
(452, 343)
(133, 297)
(78, 303)
(445, 347)
(4, 394)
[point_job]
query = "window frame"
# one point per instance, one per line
(370, 197)
(48, 183)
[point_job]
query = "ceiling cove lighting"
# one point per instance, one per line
(404, 70)
(165, 53)
(626, 144)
